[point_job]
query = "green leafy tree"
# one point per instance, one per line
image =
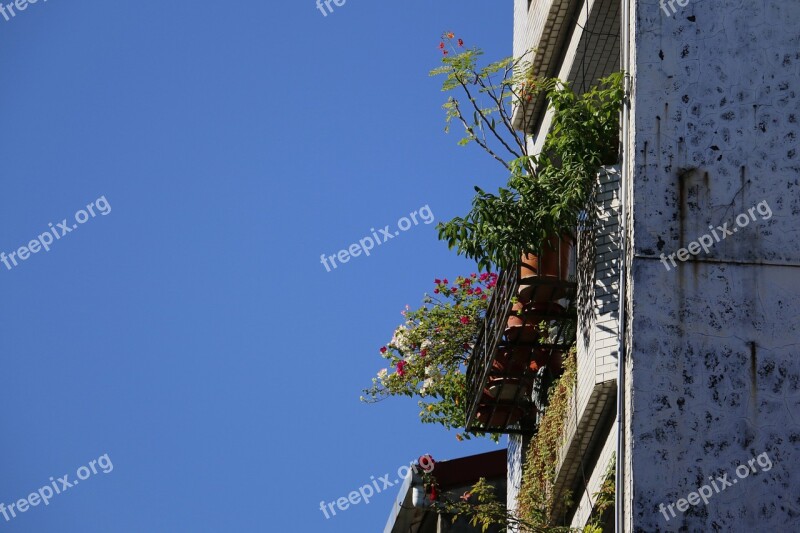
(545, 192)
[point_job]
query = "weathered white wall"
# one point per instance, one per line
(714, 345)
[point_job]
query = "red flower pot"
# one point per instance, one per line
(511, 360)
(554, 360)
(554, 260)
(553, 263)
(525, 334)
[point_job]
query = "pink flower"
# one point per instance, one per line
(478, 290)
(465, 320)
(400, 368)
(437, 281)
(435, 291)
(445, 281)
(383, 349)
(473, 275)
(423, 353)
(484, 276)
(453, 289)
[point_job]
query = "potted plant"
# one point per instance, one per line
(428, 352)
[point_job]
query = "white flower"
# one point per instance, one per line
(400, 339)
(432, 371)
(382, 374)
(425, 384)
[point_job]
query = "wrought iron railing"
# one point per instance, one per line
(511, 367)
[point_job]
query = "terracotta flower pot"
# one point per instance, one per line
(554, 360)
(554, 260)
(512, 360)
(553, 264)
(526, 334)
(515, 318)
(533, 313)
(529, 266)
(523, 322)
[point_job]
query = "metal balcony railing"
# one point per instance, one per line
(519, 350)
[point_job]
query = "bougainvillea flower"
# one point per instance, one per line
(401, 368)
(437, 281)
(478, 290)
(445, 281)
(423, 353)
(383, 349)
(441, 45)
(435, 291)
(484, 276)
(460, 42)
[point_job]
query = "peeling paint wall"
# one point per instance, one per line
(714, 342)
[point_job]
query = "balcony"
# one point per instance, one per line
(529, 326)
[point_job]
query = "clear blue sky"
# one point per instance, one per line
(191, 333)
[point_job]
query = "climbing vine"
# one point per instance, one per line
(536, 492)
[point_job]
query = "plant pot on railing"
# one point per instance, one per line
(518, 329)
(546, 357)
(523, 324)
(552, 265)
(512, 360)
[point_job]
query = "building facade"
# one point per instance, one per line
(691, 273)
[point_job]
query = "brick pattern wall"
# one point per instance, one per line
(598, 299)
